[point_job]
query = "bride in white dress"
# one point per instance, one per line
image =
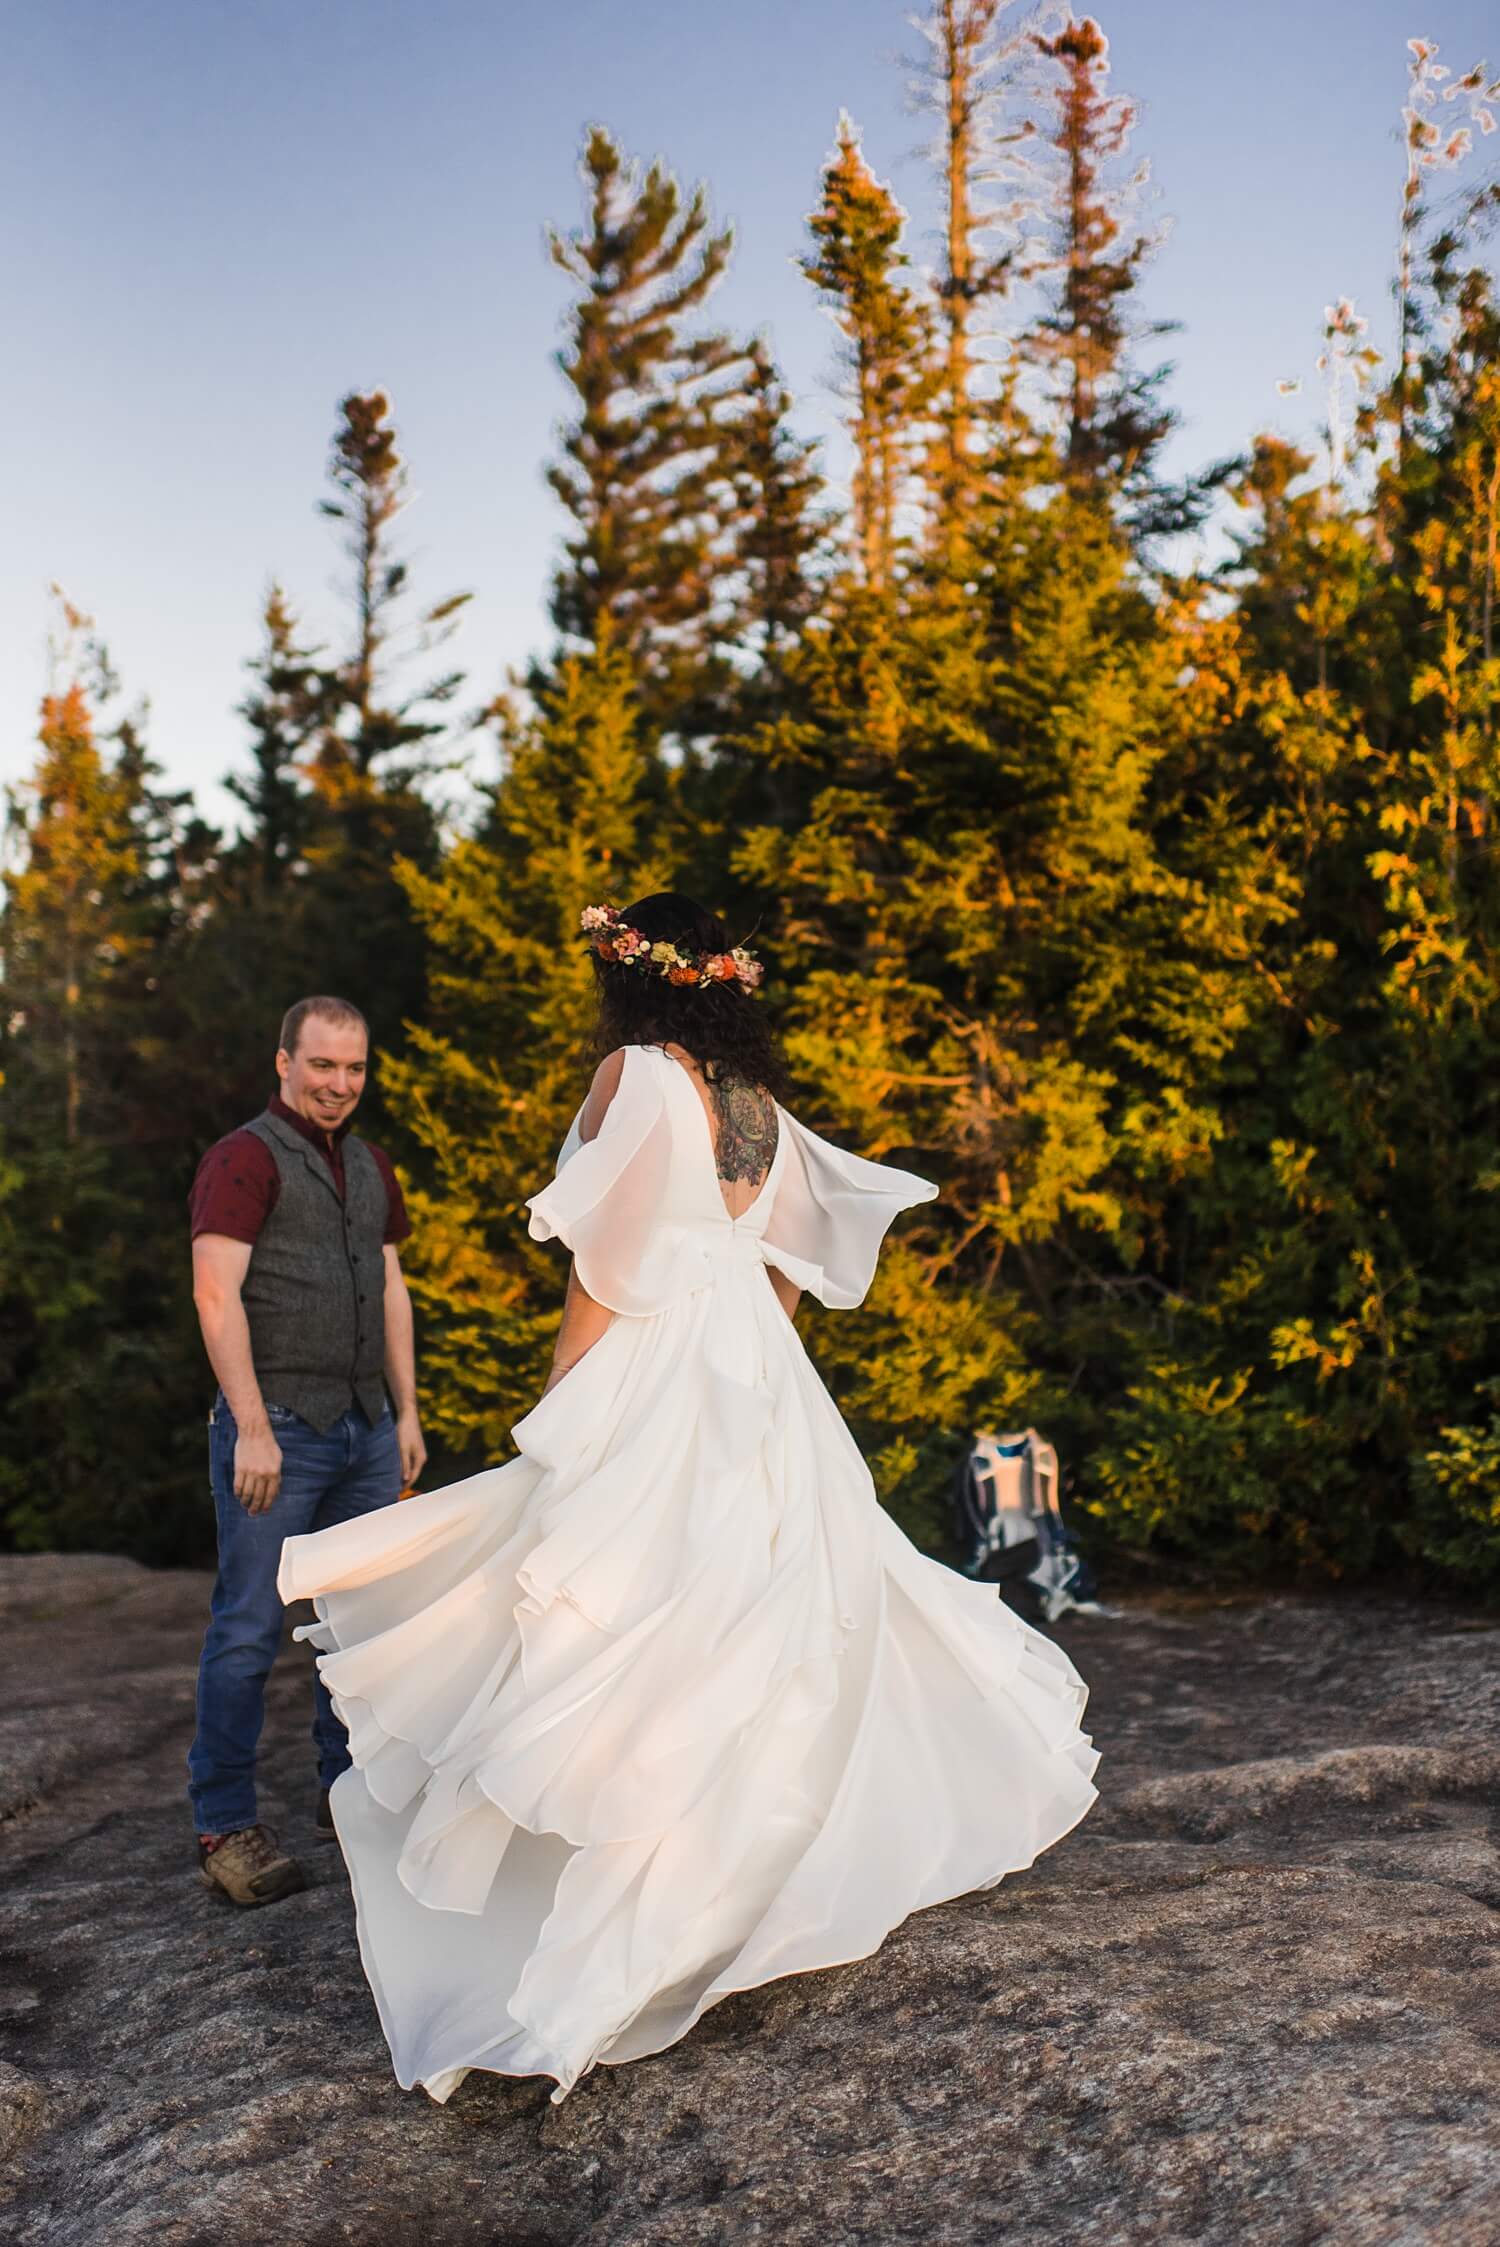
(667, 1706)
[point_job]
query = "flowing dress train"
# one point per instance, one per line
(667, 1706)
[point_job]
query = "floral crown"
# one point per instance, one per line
(614, 939)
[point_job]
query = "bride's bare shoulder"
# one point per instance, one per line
(602, 1089)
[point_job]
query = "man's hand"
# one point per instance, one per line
(413, 1449)
(257, 1470)
(401, 1369)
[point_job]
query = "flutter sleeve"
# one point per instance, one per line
(612, 1200)
(831, 1212)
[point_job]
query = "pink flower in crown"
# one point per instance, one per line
(630, 944)
(748, 969)
(597, 916)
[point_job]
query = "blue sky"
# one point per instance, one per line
(218, 218)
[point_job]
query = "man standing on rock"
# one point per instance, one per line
(306, 1319)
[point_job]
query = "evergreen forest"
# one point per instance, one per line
(1121, 845)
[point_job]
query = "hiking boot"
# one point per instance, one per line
(323, 1825)
(249, 1868)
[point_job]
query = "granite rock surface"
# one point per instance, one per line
(1254, 1998)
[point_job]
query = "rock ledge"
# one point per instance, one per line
(1255, 1998)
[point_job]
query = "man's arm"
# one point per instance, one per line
(219, 1268)
(401, 1367)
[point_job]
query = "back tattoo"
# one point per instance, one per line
(747, 1128)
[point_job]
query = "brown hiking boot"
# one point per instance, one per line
(249, 1868)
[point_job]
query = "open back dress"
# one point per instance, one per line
(667, 1706)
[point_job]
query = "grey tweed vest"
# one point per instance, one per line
(315, 1291)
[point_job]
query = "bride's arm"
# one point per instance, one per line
(584, 1321)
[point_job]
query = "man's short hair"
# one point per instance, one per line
(331, 1010)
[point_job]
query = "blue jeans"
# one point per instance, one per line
(324, 1479)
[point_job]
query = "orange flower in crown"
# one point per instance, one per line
(614, 939)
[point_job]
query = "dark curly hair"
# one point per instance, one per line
(719, 1024)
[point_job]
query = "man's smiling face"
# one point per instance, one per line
(324, 1078)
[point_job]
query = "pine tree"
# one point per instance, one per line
(643, 475)
(1014, 920)
(259, 927)
(500, 1059)
(969, 81)
(1328, 1398)
(103, 852)
(378, 736)
(372, 729)
(283, 710)
(860, 269)
(1112, 419)
(96, 1406)
(780, 523)
(780, 537)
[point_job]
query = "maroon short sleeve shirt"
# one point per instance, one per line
(237, 1184)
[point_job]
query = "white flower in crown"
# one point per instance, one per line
(597, 916)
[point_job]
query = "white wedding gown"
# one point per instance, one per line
(667, 1706)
